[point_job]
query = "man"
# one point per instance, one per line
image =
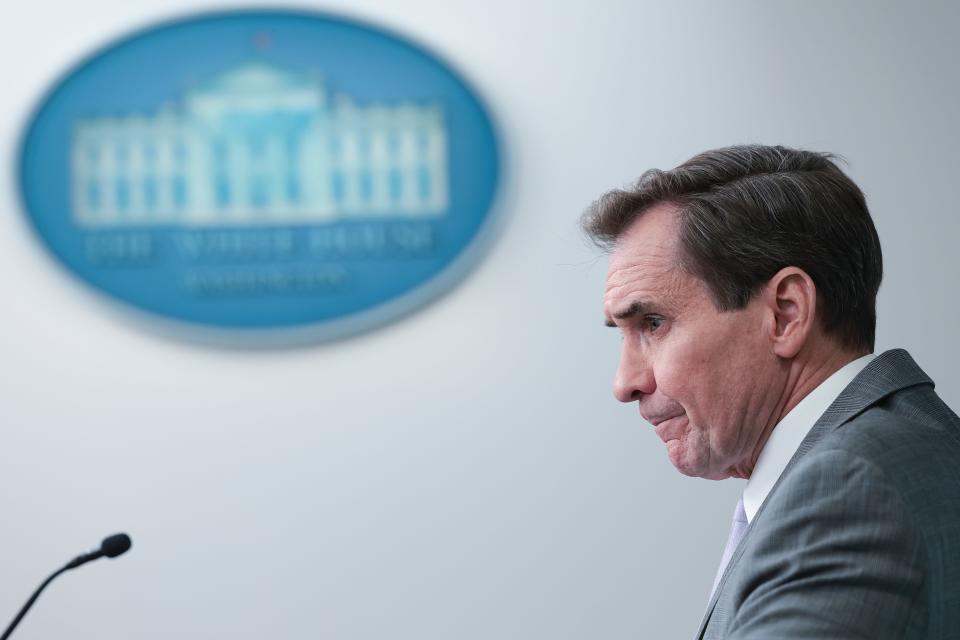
(744, 283)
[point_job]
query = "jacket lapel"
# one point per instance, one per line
(888, 373)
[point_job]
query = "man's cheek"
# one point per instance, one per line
(673, 381)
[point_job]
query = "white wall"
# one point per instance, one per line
(464, 473)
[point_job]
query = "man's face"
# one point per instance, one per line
(704, 379)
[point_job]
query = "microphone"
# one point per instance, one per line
(111, 547)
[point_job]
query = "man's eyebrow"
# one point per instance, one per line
(636, 308)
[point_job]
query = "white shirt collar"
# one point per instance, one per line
(790, 432)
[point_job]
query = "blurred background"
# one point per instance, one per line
(463, 472)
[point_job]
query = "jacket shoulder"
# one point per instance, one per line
(911, 437)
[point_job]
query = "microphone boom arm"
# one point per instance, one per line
(33, 598)
(111, 547)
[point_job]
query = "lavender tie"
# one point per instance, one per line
(737, 529)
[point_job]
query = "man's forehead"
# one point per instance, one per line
(650, 279)
(652, 234)
(655, 261)
(648, 245)
(644, 262)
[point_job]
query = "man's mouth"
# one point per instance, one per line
(658, 419)
(667, 426)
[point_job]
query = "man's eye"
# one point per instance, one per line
(653, 323)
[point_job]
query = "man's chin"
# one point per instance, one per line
(680, 458)
(692, 465)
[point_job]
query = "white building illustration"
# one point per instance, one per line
(259, 145)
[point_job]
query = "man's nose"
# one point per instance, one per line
(634, 377)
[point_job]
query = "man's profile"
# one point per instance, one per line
(744, 283)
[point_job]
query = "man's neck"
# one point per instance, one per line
(807, 376)
(806, 373)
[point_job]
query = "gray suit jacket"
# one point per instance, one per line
(860, 537)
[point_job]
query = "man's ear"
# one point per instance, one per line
(791, 301)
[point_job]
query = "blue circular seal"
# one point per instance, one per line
(258, 170)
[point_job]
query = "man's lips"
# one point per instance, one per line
(665, 425)
(656, 419)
